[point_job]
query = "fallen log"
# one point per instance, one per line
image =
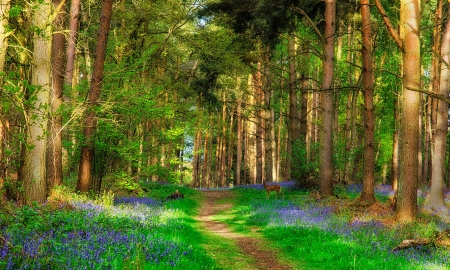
(441, 240)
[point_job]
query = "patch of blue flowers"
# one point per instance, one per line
(93, 237)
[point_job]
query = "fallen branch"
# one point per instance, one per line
(441, 240)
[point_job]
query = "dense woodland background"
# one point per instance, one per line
(213, 93)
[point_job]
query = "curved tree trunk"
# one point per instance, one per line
(90, 123)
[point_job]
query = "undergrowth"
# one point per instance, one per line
(334, 234)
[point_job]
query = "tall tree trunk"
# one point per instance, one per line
(436, 197)
(435, 76)
(206, 166)
(239, 141)
(368, 194)
(269, 125)
(223, 147)
(280, 127)
(326, 141)
(90, 122)
(410, 34)
(251, 138)
(196, 158)
(4, 33)
(395, 147)
(427, 142)
(293, 118)
(72, 41)
(54, 154)
(231, 145)
(257, 84)
(34, 170)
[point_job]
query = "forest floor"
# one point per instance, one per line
(251, 248)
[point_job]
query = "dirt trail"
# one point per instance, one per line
(263, 257)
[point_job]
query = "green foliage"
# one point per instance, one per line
(302, 168)
(337, 242)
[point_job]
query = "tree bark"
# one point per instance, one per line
(196, 159)
(33, 169)
(90, 122)
(206, 158)
(239, 141)
(326, 141)
(293, 118)
(395, 147)
(436, 196)
(54, 154)
(410, 35)
(269, 122)
(368, 194)
(72, 41)
(4, 33)
(251, 138)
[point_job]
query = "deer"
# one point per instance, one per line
(176, 195)
(276, 188)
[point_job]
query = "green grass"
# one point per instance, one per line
(316, 239)
(313, 246)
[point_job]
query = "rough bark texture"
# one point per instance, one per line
(326, 141)
(436, 196)
(368, 193)
(87, 151)
(54, 156)
(410, 34)
(33, 169)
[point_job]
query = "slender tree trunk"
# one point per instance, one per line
(206, 166)
(196, 158)
(368, 194)
(257, 84)
(280, 127)
(326, 141)
(34, 169)
(90, 122)
(231, 146)
(436, 197)
(4, 33)
(72, 41)
(239, 141)
(293, 118)
(54, 154)
(427, 143)
(223, 147)
(269, 124)
(421, 139)
(395, 147)
(251, 139)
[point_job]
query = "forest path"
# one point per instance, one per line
(252, 248)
